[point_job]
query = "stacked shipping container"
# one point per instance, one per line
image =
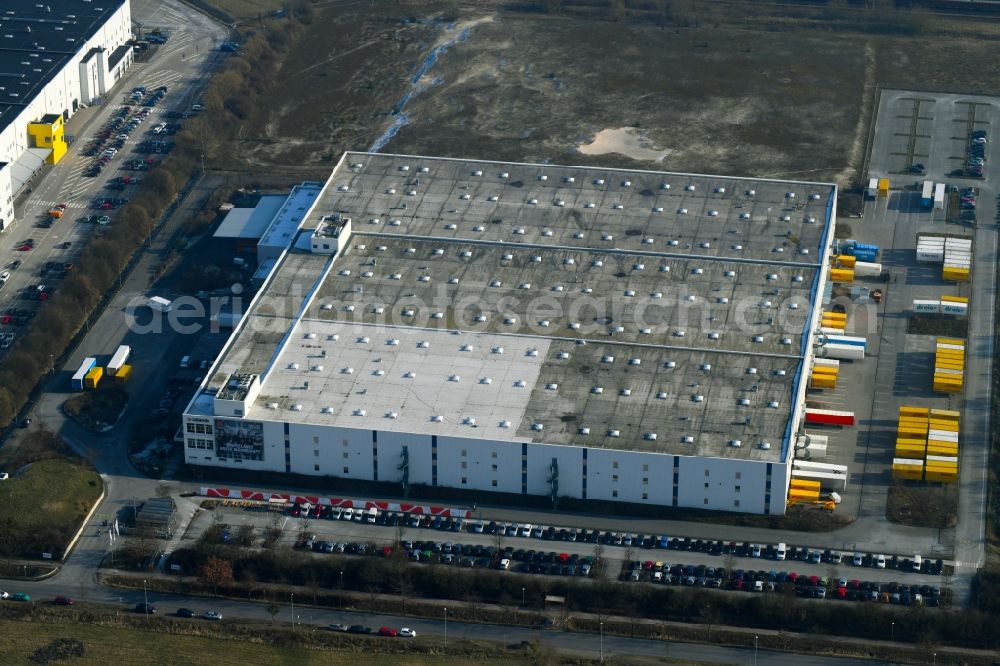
(949, 365)
(926, 445)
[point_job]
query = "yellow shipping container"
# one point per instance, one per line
(948, 414)
(955, 299)
(937, 477)
(820, 383)
(907, 474)
(824, 370)
(841, 316)
(846, 260)
(950, 341)
(913, 420)
(913, 411)
(805, 484)
(841, 275)
(950, 426)
(910, 432)
(911, 451)
(903, 441)
(950, 449)
(801, 494)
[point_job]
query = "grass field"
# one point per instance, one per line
(125, 646)
(43, 506)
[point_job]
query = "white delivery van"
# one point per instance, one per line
(372, 515)
(780, 552)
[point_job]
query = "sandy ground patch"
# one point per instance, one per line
(627, 141)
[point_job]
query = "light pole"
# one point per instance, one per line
(602, 641)
(145, 599)
(935, 659)
(446, 629)
(892, 631)
(755, 651)
(522, 597)
(293, 610)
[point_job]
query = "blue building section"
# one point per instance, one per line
(814, 296)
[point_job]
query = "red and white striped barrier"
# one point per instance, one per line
(260, 496)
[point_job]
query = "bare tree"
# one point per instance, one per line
(273, 609)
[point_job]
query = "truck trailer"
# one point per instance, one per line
(119, 359)
(159, 304)
(81, 373)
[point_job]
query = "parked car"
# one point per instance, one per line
(185, 612)
(406, 632)
(212, 615)
(359, 629)
(148, 609)
(388, 631)
(63, 601)
(20, 596)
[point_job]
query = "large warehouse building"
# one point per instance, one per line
(581, 332)
(55, 57)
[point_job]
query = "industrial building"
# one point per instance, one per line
(594, 333)
(56, 56)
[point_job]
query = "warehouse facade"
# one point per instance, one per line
(56, 57)
(580, 332)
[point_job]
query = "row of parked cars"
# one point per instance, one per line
(818, 587)
(778, 552)
(977, 153)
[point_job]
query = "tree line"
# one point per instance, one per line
(228, 100)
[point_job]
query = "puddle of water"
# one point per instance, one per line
(400, 118)
(627, 141)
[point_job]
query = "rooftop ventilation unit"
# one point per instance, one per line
(293, 366)
(599, 181)
(578, 235)
(569, 179)
(326, 410)
(773, 404)
(296, 407)
(404, 168)
(629, 292)
(584, 430)
(379, 373)
(647, 241)
(498, 350)
(503, 174)
(758, 338)
(392, 342)
(682, 211)
(454, 378)
(617, 206)
(562, 356)
(713, 213)
(722, 299)
(670, 364)
(485, 380)
(697, 271)
(347, 370)
(764, 445)
(649, 436)
(391, 415)
(608, 359)
(730, 273)
(409, 374)
(560, 203)
(597, 263)
(334, 337)
(589, 204)
(543, 178)
(687, 439)
(661, 395)
(698, 398)
(317, 368)
(272, 405)
(519, 383)
(423, 344)
(597, 390)
(751, 371)
(466, 348)
(713, 335)
(735, 443)
(743, 402)
(532, 352)
(625, 392)
(504, 424)
(614, 433)
(437, 418)
(658, 209)
(537, 427)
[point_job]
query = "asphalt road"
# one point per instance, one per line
(307, 618)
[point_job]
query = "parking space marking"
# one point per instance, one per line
(914, 117)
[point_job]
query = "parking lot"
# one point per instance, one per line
(565, 551)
